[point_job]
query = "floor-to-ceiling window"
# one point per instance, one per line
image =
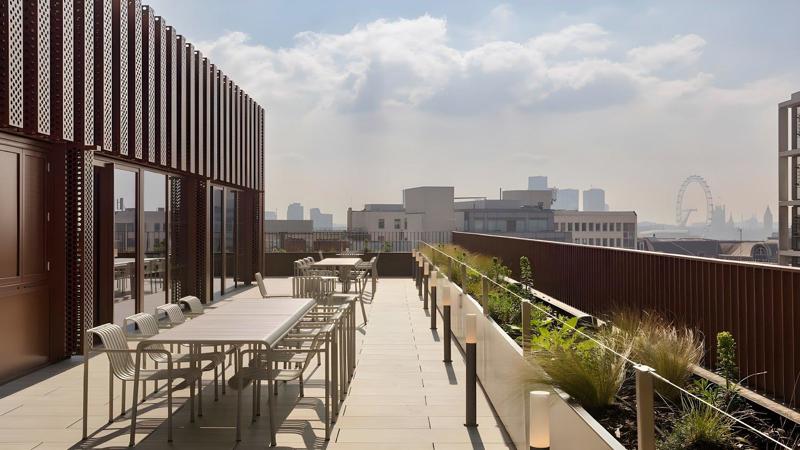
(124, 244)
(217, 258)
(231, 235)
(155, 240)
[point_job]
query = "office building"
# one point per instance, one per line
(594, 200)
(322, 221)
(566, 199)
(600, 228)
(294, 211)
(537, 182)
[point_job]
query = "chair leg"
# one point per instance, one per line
(135, 395)
(216, 379)
(237, 368)
(85, 394)
(302, 393)
(169, 403)
(191, 401)
(124, 388)
(270, 405)
(110, 396)
(363, 311)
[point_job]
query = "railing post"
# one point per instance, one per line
(420, 277)
(426, 273)
(435, 293)
(414, 265)
(448, 334)
(485, 295)
(464, 278)
(526, 324)
(645, 416)
(471, 341)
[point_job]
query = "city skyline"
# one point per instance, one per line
(565, 89)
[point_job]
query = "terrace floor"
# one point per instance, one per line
(402, 397)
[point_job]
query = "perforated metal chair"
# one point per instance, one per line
(123, 367)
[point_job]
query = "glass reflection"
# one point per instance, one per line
(155, 239)
(124, 245)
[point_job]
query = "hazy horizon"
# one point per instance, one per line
(366, 98)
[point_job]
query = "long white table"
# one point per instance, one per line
(238, 322)
(343, 265)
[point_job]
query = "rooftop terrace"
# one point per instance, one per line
(402, 397)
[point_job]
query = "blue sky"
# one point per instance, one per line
(372, 97)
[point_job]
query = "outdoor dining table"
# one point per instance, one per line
(343, 266)
(259, 323)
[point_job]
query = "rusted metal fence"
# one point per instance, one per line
(759, 304)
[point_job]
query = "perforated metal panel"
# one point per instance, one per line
(188, 156)
(84, 72)
(149, 85)
(43, 68)
(12, 61)
(103, 73)
(68, 64)
(79, 188)
(161, 91)
(172, 101)
(121, 94)
(135, 74)
(178, 236)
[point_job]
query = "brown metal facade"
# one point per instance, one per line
(105, 82)
(759, 304)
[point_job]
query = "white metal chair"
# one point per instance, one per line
(194, 307)
(172, 312)
(123, 367)
(148, 326)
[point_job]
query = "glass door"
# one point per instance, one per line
(231, 236)
(217, 255)
(124, 244)
(155, 240)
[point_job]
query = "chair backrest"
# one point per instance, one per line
(173, 312)
(317, 288)
(113, 338)
(193, 303)
(261, 287)
(146, 323)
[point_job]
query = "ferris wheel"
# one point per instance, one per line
(681, 214)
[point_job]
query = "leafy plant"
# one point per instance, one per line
(525, 271)
(592, 374)
(726, 357)
(700, 427)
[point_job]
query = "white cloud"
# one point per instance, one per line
(680, 50)
(410, 63)
(392, 102)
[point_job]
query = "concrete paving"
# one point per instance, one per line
(402, 397)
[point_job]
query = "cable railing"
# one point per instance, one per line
(628, 360)
(354, 241)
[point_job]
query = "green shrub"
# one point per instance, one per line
(525, 271)
(590, 373)
(700, 427)
(726, 358)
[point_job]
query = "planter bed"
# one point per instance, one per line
(619, 420)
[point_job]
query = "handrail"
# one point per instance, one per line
(606, 348)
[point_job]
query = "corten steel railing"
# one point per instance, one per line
(759, 304)
(363, 241)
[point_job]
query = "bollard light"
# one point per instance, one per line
(445, 295)
(471, 386)
(426, 268)
(471, 326)
(434, 276)
(539, 420)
